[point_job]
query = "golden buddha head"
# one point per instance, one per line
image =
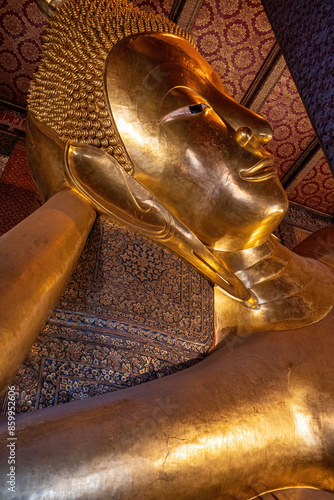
(134, 86)
(199, 151)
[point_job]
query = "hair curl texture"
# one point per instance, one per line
(67, 91)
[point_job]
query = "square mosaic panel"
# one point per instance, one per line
(132, 312)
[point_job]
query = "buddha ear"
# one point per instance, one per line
(113, 192)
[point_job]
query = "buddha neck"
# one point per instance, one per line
(292, 291)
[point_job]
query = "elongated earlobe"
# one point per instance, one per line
(115, 193)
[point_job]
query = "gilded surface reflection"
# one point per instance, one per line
(126, 118)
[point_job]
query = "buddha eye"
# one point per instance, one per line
(197, 108)
(186, 110)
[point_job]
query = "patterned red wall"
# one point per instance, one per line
(292, 128)
(235, 37)
(21, 28)
(316, 190)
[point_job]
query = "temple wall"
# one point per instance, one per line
(305, 32)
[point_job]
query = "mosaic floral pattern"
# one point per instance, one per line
(21, 29)
(316, 189)
(299, 223)
(306, 219)
(165, 303)
(290, 235)
(114, 328)
(235, 37)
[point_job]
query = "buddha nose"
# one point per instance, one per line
(250, 128)
(243, 135)
(246, 136)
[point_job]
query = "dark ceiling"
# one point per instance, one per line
(236, 38)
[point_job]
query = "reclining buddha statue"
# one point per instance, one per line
(127, 119)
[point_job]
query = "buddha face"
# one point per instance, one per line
(196, 149)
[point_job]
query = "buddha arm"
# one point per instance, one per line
(37, 258)
(237, 424)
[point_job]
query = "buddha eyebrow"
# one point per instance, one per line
(185, 110)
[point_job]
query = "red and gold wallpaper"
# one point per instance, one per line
(21, 29)
(235, 37)
(292, 129)
(316, 189)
